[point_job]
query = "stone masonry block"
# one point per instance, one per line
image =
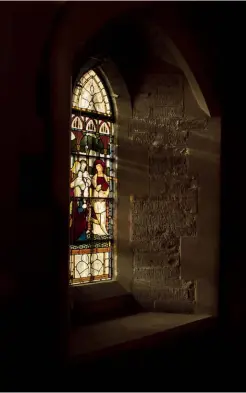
(164, 137)
(168, 257)
(142, 131)
(164, 275)
(162, 112)
(172, 187)
(153, 217)
(157, 131)
(193, 125)
(146, 291)
(164, 163)
(161, 96)
(166, 245)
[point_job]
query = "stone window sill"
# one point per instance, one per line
(97, 291)
(135, 331)
(99, 302)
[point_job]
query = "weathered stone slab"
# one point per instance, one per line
(161, 96)
(189, 231)
(168, 111)
(170, 124)
(169, 151)
(164, 164)
(140, 123)
(193, 125)
(164, 276)
(142, 131)
(169, 245)
(172, 186)
(143, 292)
(167, 124)
(157, 131)
(169, 256)
(165, 137)
(152, 217)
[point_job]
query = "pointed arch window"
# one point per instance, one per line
(90, 95)
(92, 182)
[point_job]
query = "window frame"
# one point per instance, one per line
(120, 103)
(111, 119)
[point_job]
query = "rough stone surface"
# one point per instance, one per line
(166, 164)
(163, 259)
(168, 137)
(169, 244)
(168, 210)
(142, 131)
(159, 217)
(164, 130)
(161, 97)
(173, 187)
(194, 125)
(164, 293)
(166, 274)
(168, 111)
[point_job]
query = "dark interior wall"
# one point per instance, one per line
(26, 302)
(32, 291)
(182, 24)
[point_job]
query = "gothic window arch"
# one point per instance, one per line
(92, 182)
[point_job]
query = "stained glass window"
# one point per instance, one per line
(90, 95)
(92, 182)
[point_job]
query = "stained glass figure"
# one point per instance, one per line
(92, 182)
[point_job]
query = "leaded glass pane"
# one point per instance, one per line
(92, 184)
(86, 264)
(90, 95)
(92, 137)
(90, 219)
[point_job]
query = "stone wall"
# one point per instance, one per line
(168, 173)
(165, 210)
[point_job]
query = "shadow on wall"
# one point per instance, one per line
(124, 41)
(133, 42)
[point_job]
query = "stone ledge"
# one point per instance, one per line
(91, 312)
(94, 340)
